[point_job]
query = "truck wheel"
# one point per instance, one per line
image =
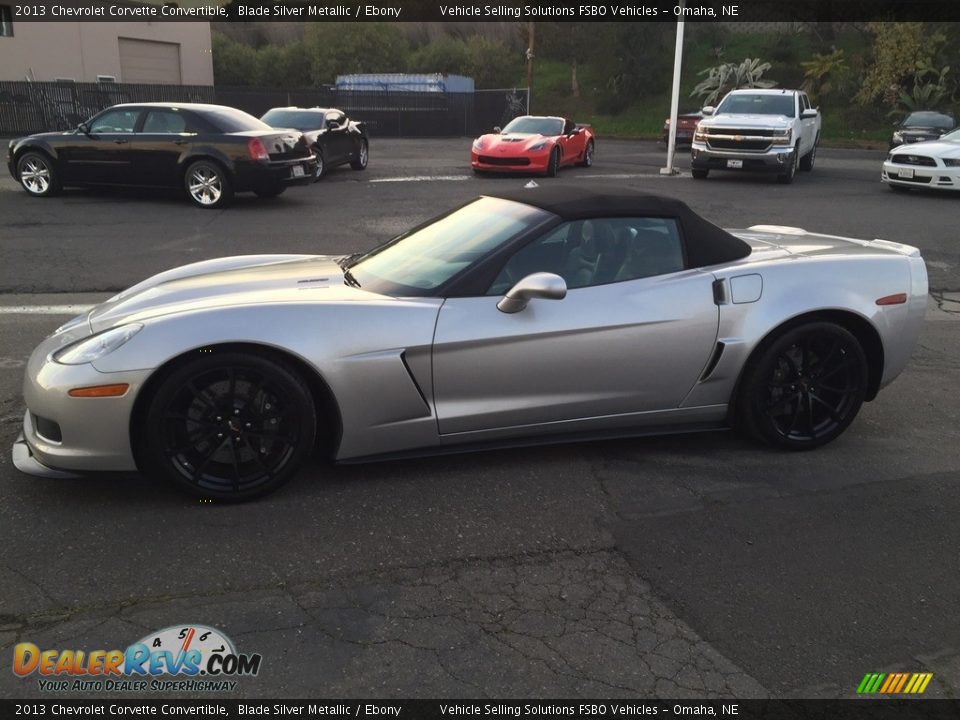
(699, 173)
(786, 177)
(807, 161)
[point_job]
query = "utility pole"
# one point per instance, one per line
(674, 98)
(530, 35)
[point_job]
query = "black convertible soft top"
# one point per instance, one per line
(706, 244)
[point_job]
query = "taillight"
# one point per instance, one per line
(257, 149)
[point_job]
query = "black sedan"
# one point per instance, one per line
(211, 151)
(921, 126)
(334, 138)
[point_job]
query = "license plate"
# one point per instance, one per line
(298, 171)
(734, 164)
(905, 172)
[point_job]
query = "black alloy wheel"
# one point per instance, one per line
(229, 426)
(804, 388)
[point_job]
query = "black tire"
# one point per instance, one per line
(553, 166)
(899, 188)
(802, 388)
(321, 170)
(38, 175)
(208, 185)
(273, 192)
(363, 156)
(588, 155)
(786, 177)
(807, 161)
(229, 426)
(699, 173)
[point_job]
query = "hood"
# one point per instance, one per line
(930, 148)
(230, 281)
(512, 141)
(747, 121)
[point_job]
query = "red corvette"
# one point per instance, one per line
(534, 144)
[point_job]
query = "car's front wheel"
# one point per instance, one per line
(700, 173)
(804, 387)
(37, 174)
(229, 425)
(786, 177)
(208, 185)
(321, 165)
(553, 164)
(363, 155)
(809, 160)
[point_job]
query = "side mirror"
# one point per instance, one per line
(496, 130)
(811, 113)
(708, 110)
(544, 285)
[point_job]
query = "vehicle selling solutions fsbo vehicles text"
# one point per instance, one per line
(586, 11)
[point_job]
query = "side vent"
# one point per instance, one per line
(714, 359)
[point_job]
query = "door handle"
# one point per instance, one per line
(119, 141)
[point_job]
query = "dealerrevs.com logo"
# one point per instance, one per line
(180, 658)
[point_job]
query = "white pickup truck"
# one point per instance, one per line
(767, 130)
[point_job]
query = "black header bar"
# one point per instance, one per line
(483, 11)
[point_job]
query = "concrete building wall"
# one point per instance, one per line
(46, 51)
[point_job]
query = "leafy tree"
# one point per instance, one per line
(233, 63)
(444, 55)
(492, 64)
(723, 78)
(899, 50)
(339, 48)
(285, 66)
(823, 73)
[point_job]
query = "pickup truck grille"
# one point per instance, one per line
(913, 160)
(748, 139)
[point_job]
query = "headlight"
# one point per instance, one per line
(478, 144)
(782, 137)
(95, 347)
(951, 162)
(699, 135)
(898, 137)
(539, 146)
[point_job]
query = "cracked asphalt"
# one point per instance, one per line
(681, 566)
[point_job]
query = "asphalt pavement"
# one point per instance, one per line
(685, 566)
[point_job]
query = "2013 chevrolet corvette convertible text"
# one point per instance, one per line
(522, 317)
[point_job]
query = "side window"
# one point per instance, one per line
(115, 121)
(164, 122)
(336, 117)
(568, 127)
(593, 252)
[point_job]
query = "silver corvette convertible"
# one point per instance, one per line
(524, 317)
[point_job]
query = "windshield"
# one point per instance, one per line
(302, 120)
(535, 126)
(429, 256)
(757, 104)
(229, 120)
(951, 137)
(929, 119)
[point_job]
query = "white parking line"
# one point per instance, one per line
(44, 309)
(421, 178)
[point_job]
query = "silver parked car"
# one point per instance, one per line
(528, 316)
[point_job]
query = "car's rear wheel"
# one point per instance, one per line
(588, 155)
(37, 174)
(553, 165)
(699, 173)
(229, 426)
(363, 155)
(803, 388)
(208, 185)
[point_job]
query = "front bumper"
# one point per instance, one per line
(923, 176)
(776, 159)
(26, 462)
(71, 434)
(535, 162)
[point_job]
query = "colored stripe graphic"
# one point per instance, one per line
(894, 683)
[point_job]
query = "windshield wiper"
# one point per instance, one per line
(348, 277)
